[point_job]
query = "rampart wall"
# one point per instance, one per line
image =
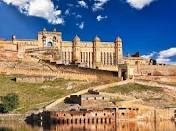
(65, 72)
(34, 79)
(161, 79)
(155, 70)
(12, 117)
(58, 74)
(158, 114)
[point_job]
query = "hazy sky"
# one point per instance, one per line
(147, 26)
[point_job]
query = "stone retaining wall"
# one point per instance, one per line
(58, 74)
(33, 79)
(155, 70)
(162, 79)
(12, 117)
(65, 72)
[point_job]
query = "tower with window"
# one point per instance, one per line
(118, 51)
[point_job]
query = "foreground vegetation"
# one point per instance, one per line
(34, 96)
(9, 103)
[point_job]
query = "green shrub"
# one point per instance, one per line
(9, 103)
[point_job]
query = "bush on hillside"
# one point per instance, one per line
(9, 103)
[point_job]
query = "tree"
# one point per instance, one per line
(2, 108)
(9, 103)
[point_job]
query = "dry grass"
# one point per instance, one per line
(34, 96)
(126, 89)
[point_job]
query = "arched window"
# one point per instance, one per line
(54, 39)
(49, 44)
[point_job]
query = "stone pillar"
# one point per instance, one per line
(66, 57)
(104, 58)
(118, 51)
(69, 56)
(111, 60)
(90, 59)
(76, 50)
(96, 52)
(84, 58)
(108, 58)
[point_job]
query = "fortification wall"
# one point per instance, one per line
(158, 114)
(58, 74)
(34, 79)
(8, 52)
(76, 69)
(12, 117)
(155, 70)
(161, 79)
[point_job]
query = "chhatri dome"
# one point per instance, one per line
(97, 38)
(118, 39)
(76, 38)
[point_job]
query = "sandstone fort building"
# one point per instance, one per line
(93, 54)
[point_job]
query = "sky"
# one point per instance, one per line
(147, 26)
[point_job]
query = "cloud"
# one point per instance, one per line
(100, 18)
(67, 12)
(151, 55)
(83, 4)
(139, 4)
(78, 16)
(43, 9)
(98, 5)
(167, 53)
(80, 25)
(164, 56)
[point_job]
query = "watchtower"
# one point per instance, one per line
(76, 49)
(96, 52)
(118, 51)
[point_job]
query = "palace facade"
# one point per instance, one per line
(93, 53)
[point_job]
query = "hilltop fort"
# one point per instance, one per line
(88, 58)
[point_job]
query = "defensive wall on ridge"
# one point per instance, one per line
(155, 70)
(65, 72)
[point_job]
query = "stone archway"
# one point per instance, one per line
(124, 74)
(49, 44)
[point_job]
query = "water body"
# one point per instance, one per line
(121, 126)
